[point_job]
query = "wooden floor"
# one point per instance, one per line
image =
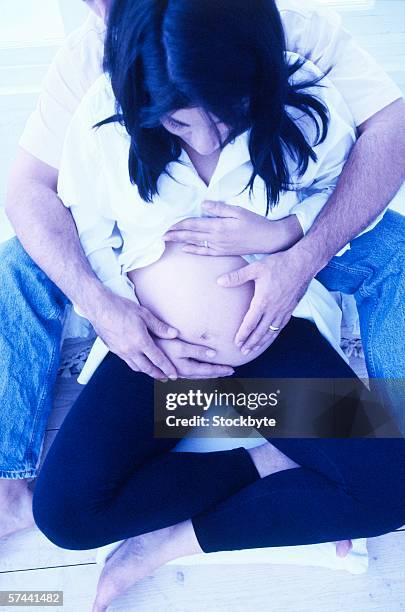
(28, 561)
(219, 588)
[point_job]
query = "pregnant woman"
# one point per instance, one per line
(203, 103)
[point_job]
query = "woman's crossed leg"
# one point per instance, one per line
(120, 482)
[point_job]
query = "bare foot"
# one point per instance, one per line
(343, 548)
(140, 556)
(269, 460)
(15, 507)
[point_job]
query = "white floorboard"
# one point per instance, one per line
(236, 588)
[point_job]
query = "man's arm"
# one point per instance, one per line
(370, 179)
(48, 233)
(373, 174)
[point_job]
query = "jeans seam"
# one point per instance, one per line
(344, 267)
(39, 410)
(370, 361)
(55, 313)
(18, 474)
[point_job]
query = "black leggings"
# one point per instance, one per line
(106, 478)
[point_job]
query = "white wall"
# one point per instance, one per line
(381, 30)
(31, 32)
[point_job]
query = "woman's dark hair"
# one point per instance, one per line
(225, 56)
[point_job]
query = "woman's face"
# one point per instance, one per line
(194, 128)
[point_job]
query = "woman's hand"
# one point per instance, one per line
(190, 360)
(124, 326)
(232, 230)
(280, 283)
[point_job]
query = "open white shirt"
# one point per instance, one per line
(120, 232)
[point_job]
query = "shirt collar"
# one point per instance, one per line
(234, 155)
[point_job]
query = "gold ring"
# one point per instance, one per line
(273, 329)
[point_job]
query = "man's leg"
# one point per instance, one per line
(373, 270)
(31, 319)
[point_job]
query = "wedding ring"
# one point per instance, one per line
(273, 329)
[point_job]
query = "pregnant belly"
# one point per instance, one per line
(181, 289)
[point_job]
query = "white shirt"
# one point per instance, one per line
(120, 232)
(312, 31)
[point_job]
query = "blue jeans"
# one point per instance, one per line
(373, 270)
(31, 320)
(32, 314)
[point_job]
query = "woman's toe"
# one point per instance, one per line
(113, 582)
(343, 548)
(98, 607)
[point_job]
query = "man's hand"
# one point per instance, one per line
(280, 283)
(232, 230)
(191, 359)
(124, 326)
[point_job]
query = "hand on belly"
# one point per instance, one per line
(181, 289)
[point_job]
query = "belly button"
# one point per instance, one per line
(204, 336)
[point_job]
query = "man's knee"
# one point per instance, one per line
(24, 283)
(13, 256)
(18, 272)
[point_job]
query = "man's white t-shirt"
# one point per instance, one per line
(311, 31)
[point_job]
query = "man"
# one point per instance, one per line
(33, 301)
